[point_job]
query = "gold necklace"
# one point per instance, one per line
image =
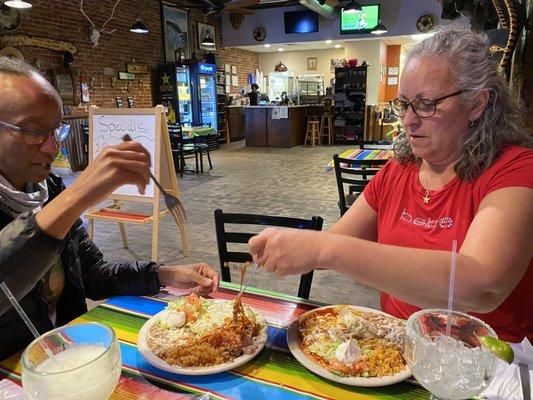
(427, 197)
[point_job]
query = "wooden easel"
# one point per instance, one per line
(107, 126)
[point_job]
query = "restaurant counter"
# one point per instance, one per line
(266, 126)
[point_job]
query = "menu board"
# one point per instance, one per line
(109, 129)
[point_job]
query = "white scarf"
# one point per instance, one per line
(15, 202)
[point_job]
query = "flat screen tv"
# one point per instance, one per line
(301, 21)
(360, 22)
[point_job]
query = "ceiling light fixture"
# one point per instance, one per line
(281, 49)
(267, 45)
(18, 4)
(139, 27)
(337, 46)
(353, 8)
(379, 29)
(329, 41)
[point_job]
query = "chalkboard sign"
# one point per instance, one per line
(108, 127)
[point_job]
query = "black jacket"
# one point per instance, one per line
(26, 253)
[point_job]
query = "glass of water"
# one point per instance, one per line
(451, 367)
(80, 361)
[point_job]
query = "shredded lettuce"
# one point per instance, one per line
(176, 304)
(324, 349)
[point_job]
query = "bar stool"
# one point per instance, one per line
(224, 130)
(326, 122)
(313, 131)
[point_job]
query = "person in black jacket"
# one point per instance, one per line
(46, 256)
(254, 95)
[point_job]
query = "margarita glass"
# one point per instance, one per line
(80, 361)
(451, 367)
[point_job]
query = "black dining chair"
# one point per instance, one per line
(202, 144)
(355, 174)
(182, 150)
(229, 228)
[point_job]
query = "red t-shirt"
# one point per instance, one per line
(395, 193)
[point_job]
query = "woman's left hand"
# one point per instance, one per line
(200, 277)
(286, 251)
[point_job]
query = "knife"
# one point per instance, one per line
(524, 379)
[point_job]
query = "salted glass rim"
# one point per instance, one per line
(410, 330)
(106, 351)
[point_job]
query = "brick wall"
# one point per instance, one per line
(246, 61)
(62, 19)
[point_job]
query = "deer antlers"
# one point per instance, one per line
(94, 32)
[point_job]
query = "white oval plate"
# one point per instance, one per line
(142, 345)
(294, 347)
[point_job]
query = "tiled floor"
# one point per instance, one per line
(288, 182)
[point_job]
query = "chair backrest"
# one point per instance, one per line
(225, 236)
(354, 173)
(176, 137)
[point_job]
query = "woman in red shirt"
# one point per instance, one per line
(463, 170)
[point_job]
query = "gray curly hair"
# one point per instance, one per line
(502, 121)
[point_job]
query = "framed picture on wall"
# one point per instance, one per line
(311, 63)
(206, 34)
(393, 71)
(175, 32)
(84, 92)
(65, 87)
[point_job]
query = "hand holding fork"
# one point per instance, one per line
(174, 205)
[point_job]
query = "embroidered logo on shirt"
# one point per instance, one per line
(427, 223)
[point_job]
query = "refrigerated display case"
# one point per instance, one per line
(183, 89)
(173, 90)
(203, 89)
(310, 89)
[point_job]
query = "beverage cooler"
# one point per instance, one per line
(183, 89)
(189, 92)
(173, 90)
(204, 94)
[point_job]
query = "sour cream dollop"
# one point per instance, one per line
(348, 352)
(175, 319)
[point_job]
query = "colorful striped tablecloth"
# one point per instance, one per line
(196, 131)
(362, 154)
(273, 374)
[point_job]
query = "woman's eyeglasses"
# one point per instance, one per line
(424, 108)
(38, 136)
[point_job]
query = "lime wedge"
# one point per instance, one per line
(499, 348)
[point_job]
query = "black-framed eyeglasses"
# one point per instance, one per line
(38, 136)
(424, 108)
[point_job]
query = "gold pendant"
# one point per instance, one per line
(426, 198)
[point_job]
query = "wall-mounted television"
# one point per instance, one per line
(362, 22)
(301, 21)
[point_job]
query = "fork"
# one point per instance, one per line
(174, 205)
(252, 273)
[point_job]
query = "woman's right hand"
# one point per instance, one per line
(121, 164)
